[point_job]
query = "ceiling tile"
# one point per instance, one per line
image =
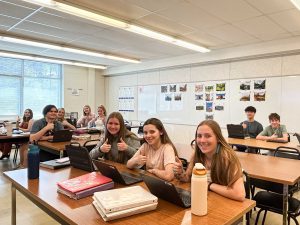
(190, 16)
(153, 5)
(271, 6)
(8, 21)
(231, 34)
(116, 8)
(14, 10)
(205, 39)
(21, 3)
(289, 20)
(229, 10)
(260, 27)
(163, 24)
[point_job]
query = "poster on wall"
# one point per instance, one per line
(172, 96)
(126, 99)
(259, 93)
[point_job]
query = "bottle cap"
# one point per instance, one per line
(199, 169)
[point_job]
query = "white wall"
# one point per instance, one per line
(279, 66)
(91, 85)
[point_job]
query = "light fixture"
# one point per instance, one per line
(296, 3)
(62, 7)
(50, 60)
(66, 49)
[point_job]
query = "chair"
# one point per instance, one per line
(16, 152)
(247, 190)
(272, 199)
(89, 145)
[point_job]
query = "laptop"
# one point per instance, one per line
(236, 131)
(79, 157)
(167, 191)
(113, 173)
(61, 136)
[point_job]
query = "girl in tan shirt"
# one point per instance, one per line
(157, 153)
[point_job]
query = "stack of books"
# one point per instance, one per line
(85, 185)
(56, 163)
(123, 202)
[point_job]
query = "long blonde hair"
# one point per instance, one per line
(225, 166)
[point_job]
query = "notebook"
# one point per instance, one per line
(56, 163)
(123, 198)
(61, 136)
(124, 213)
(79, 157)
(119, 177)
(167, 191)
(236, 131)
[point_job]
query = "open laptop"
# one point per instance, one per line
(236, 131)
(61, 136)
(79, 157)
(113, 173)
(167, 191)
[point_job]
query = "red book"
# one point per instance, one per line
(84, 182)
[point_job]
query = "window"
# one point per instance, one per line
(28, 84)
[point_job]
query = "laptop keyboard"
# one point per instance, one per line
(128, 179)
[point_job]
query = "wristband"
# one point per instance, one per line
(208, 187)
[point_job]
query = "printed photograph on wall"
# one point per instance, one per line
(219, 107)
(259, 84)
(198, 88)
(168, 97)
(177, 97)
(209, 106)
(164, 89)
(220, 96)
(183, 87)
(220, 87)
(172, 87)
(209, 96)
(260, 96)
(209, 88)
(198, 96)
(245, 96)
(199, 107)
(245, 85)
(209, 116)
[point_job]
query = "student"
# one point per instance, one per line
(61, 118)
(224, 169)
(157, 153)
(251, 127)
(118, 144)
(99, 121)
(86, 117)
(275, 131)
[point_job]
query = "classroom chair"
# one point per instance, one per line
(271, 200)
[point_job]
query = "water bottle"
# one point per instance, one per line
(199, 190)
(18, 123)
(33, 162)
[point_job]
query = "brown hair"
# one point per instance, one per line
(225, 166)
(274, 116)
(86, 106)
(26, 119)
(123, 133)
(103, 108)
(164, 138)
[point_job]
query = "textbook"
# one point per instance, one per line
(56, 163)
(84, 185)
(87, 192)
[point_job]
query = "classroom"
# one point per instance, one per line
(180, 61)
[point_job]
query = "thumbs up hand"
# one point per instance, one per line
(177, 168)
(141, 159)
(105, 147)
(122, 146)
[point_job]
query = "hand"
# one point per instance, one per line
(153, 171)
(105, 147)
(50, 126)
(244, 125)
(141, 160)
(274, 136)
(177, 168)
(122, 146)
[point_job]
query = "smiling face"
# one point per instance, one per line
(206, 140)
(113, 126)
(152, 135)
(250, 115)
(61, 114)
(100, 112)
(52, 114)
(27, 114)
(86, 110)
(274, 123)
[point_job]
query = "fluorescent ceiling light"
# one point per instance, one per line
(296, 3)
(66, 49)
(117, 23)
(50, 60)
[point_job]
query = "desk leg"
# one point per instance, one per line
(13, 205)
(61, 154)
(285, 203)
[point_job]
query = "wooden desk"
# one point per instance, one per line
(58, 148)
(15, 138)
(253, 143)
(270, 168)
(43, 193)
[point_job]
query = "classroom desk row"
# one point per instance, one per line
(43, 193)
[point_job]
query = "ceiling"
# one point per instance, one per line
(215, 24)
